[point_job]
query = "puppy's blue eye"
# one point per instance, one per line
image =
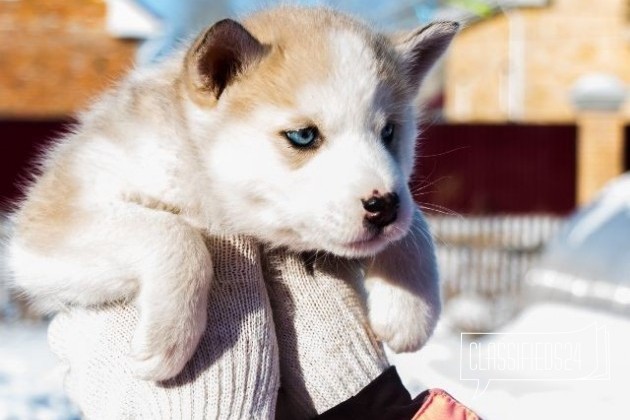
(387, 133)
(304, 137)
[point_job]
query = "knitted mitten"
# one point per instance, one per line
(234, 373)
(327, 350)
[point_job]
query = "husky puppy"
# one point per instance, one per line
(296, 127)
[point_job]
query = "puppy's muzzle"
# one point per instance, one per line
(382, 210)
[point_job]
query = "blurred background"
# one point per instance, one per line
(524, 143)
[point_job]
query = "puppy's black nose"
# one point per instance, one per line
(382, 210)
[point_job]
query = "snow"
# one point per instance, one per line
(595, 243)
(532, 393)
(30, 382)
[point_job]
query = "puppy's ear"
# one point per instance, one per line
(421, 48)
(218, 56)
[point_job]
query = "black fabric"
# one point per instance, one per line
(385, 398)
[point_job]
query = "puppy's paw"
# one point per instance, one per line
(160, 350)
(401, 319)
(158, 367)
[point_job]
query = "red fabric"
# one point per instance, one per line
(439, 405)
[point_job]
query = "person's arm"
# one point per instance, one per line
(328, 352)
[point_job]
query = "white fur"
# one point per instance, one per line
(321, 201)
(227, 176)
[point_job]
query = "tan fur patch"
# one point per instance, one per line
(48, 214)
(152, 203)
(300, 54)
(297, 57)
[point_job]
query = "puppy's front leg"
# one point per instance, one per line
(175, 275)
(117, 252)
(404, 291)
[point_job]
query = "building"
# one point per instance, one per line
(520, 65)
(525, 65)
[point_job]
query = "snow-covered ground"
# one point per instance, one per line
(30, 382)
(590, 380)
(592, 383)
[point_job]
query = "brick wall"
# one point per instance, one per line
(520, 66)
(55, 56)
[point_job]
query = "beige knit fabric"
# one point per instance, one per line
(327, 350)
(233, 375)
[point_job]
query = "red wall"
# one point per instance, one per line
(486, 169)
(20, 143)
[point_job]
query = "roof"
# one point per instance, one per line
(473, 11)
